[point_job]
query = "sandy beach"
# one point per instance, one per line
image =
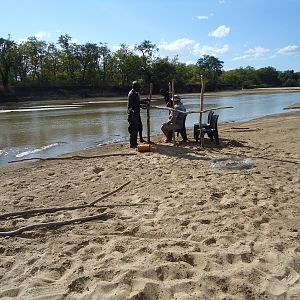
(168, 224)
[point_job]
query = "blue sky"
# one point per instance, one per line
(256, 33)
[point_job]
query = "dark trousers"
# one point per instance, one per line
(135, 127)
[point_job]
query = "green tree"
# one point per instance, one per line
(70, 64)
(102, 62)
(211, 68)
(51, 64)
(36, 51)
(126, 66)
(88, 58)
(239, 78)
(268, 76)
(164, 71)
(288, 78)
(8, 50)
(148, 51)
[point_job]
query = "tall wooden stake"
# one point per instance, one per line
(200, 115)
(148, 114)
(173, 129)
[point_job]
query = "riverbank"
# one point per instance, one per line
(61, 96)
(251, 91)
(179, 229)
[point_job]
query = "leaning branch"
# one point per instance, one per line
(102, 216)
(190, 111)
(74, 157)
(55, 209)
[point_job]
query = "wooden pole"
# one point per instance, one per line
(200, 115)
(173, 129)
(148, 114)
(190, 111)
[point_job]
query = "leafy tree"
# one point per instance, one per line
(211, 68)
(231, 79)
(240, 78)
(268, 76)
(288, 78)
(8, 51)
(148, 53)
(104, 54)
(126, 66)
(21, 65)
(69, 58)
(51, 64)
(88, 58)
(36, 51)
(164, 72)
(37, 62)
(183, 73)
(290, 82)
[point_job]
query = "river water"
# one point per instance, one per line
(51, 128)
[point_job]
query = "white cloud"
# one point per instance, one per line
(118, 47)
(257, 51)
(186, 46)
(220, 32)
(21, 40)
(177, 45)
(41, 35)
(202, 17)
(253, 53)
(74, 41)
(209, 50)
(189, 62)
(290, 49)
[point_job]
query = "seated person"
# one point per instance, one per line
(176, 118)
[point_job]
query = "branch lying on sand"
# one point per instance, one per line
(237, 129)
(55, 209)
(110, 193)
(102, 216)
(74, 157)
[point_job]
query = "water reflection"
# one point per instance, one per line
(73, 127)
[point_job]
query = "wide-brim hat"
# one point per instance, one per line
(176, 98)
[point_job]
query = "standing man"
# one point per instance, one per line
(134, 117)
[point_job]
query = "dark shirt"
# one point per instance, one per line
(133, 103)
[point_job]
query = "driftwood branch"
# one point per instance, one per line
(74, 157)
(110, 193)
(55, 209)
(102, 216)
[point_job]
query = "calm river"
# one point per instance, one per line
(51, 128)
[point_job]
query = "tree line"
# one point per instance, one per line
(36, 63)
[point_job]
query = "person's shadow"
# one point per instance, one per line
(192, 150)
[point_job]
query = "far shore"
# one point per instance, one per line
(250, 91)
(155, 96)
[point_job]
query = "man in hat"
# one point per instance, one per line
(175, 117)
(134, 117)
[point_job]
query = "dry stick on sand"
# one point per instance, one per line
(102, 216)
(55, 209)
(74, 157)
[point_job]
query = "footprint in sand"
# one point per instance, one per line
(10, 293)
